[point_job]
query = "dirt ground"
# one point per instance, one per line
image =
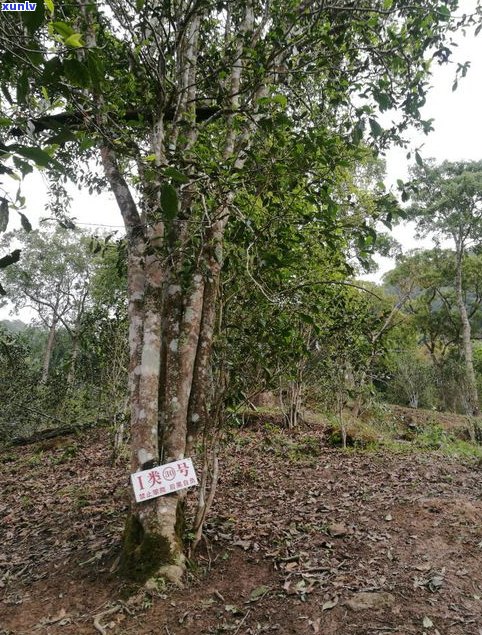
(303, 539)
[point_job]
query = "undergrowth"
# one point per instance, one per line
(386, 433)
(380, 428)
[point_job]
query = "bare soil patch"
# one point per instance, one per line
(303, 539)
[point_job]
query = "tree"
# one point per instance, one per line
(184, 102)
(52, 279)
(105, 347)
(426, 278)
(447, 201)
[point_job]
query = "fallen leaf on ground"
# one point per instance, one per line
(330, 604)
(258, 593)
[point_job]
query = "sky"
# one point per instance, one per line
(457, 135)
(457, 126)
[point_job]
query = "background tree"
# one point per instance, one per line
(427, 279)
(447, 201)
(105, 349)
(52, 280)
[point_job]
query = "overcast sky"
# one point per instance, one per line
(457, 125)
(457, 135)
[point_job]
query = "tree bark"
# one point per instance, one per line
(472, 395)
(151, 538)
(48, 352)
(74, 354)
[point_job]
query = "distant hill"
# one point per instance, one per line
(14, 326)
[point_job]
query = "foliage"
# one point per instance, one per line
(447, 200)
(426, 279)
(412, 381)
(52, 277)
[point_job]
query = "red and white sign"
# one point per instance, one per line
(163, 479)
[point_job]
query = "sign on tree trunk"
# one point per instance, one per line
(163, 479)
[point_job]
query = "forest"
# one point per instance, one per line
(333, 423)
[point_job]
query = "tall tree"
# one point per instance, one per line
(447, 201)
(184, 102)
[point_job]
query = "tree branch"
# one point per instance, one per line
(79, 120)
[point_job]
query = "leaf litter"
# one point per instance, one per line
(290, 543)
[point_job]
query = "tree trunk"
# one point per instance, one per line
(48, 353)
(171, 319)
(413, 401)
(473, 399)
(73, 359)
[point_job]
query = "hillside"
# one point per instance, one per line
(304, 538)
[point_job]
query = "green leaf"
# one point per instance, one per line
(66, 224)
(61, 137)
(38, 155)
(3, 214)
(24, 167)
(140, 5)
(10, 259)
(281, 100)
(63, 29)
(444, 12)
(375, 127)
(35, 56)
(169, 201)
(357, 134)
(77, 72)
(86, 143)
(96, 68)
(176, 175)
(74, 41)
(52, 70)
(382, 99)
(308, 319)
(49, 5)
(418, 159)
(25, 223)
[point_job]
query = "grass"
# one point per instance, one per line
(384, 428)
(304, 449)
(378, 433)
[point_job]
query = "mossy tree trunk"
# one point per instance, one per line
(172, 320)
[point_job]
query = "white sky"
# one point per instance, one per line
(457, 126)
(457, 136)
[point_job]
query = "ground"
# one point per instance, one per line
(304, 538)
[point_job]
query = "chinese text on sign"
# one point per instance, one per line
(163, 479)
